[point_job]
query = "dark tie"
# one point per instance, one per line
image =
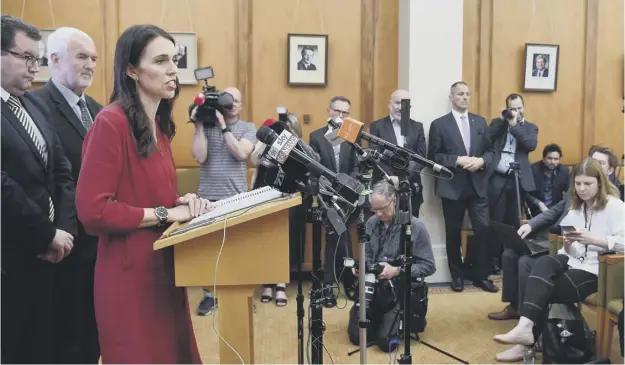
(85, 116)
(29, 126)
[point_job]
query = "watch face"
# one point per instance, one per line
(161, 213)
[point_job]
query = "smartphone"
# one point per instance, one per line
(567, 229)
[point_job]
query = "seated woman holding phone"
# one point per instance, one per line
(593, 225)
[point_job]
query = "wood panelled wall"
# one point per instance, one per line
(246, 43)
(587, 106)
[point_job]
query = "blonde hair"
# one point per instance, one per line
(294, 125)
(589, 167)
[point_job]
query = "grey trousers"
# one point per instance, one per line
(516, 269)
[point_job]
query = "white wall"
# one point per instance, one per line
(430, 60)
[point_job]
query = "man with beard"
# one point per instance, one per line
(551, 178)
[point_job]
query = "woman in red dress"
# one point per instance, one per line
(125, 194)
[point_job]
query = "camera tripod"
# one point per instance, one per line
(515, 168)
(394, 332)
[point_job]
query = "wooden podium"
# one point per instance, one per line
(255, 251)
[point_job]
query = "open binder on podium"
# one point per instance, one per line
(249, 235)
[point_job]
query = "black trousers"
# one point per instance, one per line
(516, 269)
(27, 310)
(453, 211)
(76, 332)
(503, 206)
(552, 281)
(382, 330)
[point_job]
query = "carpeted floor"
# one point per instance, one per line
(457, 323)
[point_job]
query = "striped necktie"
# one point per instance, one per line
(35, 136)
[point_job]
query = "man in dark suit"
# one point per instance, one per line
(512, 139)
(540, 70)
(73, 56)
(339, 158)
(551, 178)
(389, 129)
(459, 141)
(38, 214)
(305, 64)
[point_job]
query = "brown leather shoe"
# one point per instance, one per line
(507, 313)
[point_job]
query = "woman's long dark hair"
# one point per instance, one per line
(130, 47)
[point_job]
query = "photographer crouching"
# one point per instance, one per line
(384, 247)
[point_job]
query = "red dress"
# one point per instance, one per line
(142, 316)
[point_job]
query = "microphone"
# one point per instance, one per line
(351, 131)
(284, 152)
(363, 154)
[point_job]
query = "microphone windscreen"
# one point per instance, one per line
(269, 122)
(350, 130)
(266, 135)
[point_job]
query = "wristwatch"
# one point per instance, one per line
(161, 213)
(226, 129)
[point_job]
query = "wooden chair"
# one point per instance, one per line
(609, 290)
(611, 280)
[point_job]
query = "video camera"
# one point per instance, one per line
(209, 100)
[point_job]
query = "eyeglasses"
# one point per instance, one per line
(341, 112)
(30, 60)
(384, 208)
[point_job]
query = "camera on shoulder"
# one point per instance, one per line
(209, 100)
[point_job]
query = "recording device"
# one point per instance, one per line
(506, 114)
(283, 150)
(209, 100)
(371, 274)
(514, 166)
(567, 229)
(351, 132)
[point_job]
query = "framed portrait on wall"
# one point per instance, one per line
(541, 67)
(44, 72)
(186, 57)
(307, 60)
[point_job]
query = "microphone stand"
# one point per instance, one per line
(300, 295)
(316, 297)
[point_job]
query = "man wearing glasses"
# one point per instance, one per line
(39, 219)
(340, 158)
(389, 129)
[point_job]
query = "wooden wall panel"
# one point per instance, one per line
(608, 118)
(214, 23)
(269, 52)
(246, 42)
(552, 22)
(586, 108)
(386, 53)
(58, 13)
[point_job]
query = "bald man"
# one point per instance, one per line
(389, 129)
(222, 152)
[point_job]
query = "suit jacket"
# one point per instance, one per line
(526, 136)
(414, 141)
(552, 217)
(27, 185)
(446, 145)
(545, 72)
(301, 66)
(560, 185)
(71, 133)
(348, 160)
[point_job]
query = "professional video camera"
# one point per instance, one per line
(209, 100)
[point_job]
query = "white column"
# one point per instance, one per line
(430, 60)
